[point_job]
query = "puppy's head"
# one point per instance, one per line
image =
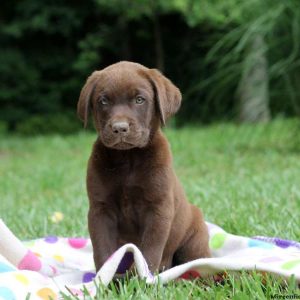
(128, 102)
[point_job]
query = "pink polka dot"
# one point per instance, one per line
(30, 262)
(54, 270)
(77, 243)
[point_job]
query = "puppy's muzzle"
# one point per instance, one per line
(120, 128)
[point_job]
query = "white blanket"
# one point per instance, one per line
(47, 266)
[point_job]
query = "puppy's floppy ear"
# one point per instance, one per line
(167, 95)
(83, 105)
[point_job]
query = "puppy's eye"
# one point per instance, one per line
(103, 100)
(139, 100)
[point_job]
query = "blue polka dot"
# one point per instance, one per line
(87, 277)
(6, 294)
(5, 268)
(259, 244)
(125, 263)
(51, 239)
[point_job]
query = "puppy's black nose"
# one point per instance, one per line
(120, 127)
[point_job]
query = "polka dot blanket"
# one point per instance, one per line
(49, 267)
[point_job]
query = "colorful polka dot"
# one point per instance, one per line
(6, 293)
(291, 264)
(54, 270)
(58, 258)
(217, 240)
(125, 263)
(22, 278)
(46, 294)
(189, 275)
(30, 262)
(57, 217)
(87, 277)
(5, 268)
(51, 239)
(77, 243)
(282, 243)
(259, 244)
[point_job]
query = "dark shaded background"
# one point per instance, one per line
(221, 54)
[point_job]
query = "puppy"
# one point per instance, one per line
(134, 194)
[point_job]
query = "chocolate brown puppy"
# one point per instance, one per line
(134, 194)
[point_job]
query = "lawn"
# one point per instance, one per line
(245, 178)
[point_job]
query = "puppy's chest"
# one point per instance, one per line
(130, 204)
(129, 191)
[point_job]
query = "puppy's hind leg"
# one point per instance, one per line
(196, 246)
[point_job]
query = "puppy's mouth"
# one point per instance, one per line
(123, 145)
(137, 140)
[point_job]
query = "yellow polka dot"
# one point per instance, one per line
(37, 254)
(58, 258)
(23, 279)
(46, 294)
(57, 217)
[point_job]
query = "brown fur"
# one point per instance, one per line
(134, 194)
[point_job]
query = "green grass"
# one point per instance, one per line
(245, 178)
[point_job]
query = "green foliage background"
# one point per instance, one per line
(48, 48)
